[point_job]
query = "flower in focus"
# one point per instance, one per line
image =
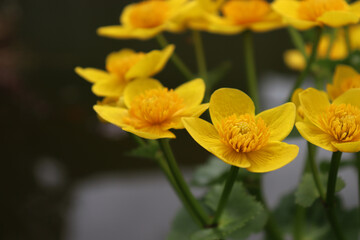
(122, 67)
(310, 13)
(345, 78)
(333, 126)
(241, 138)
(239, 15)
(145, 20)
(151, 109)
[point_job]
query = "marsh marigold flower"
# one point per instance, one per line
(345, 78)
(145, 19)
(310, 13)
(122, 67)
(240, 15)
(241, 138)
(151, 109)
(333, 126)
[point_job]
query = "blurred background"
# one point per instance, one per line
(65, 174)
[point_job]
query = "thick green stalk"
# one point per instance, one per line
(314, 170)
(200, 54)
(179, 179)
(175, 58)
(330, 195)
(309, 63)
(297, 40)
(226, 193)
(250, 67)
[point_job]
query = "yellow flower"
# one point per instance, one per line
(122, 67)
(239, 15)
(145, 20)
(151, 110)
(299, 109)
(240, 138)
(310, 13)
(295, 60)
(345, 78)
(333, 126)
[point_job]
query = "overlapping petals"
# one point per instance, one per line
(333, 126)
(345, 78)
(145, 19)
(122, 67)
(310, 13)
(151, 109)
(241, 138)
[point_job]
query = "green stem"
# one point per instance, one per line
(175, 171)
(138, 140)
(315, 171)
(309, 63)
(297, 40)
(347, 39)
(200, 54)
(330, 194)
(226, 193)
(175, 58)
(331, 43)
(250, 67)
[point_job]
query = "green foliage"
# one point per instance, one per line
(307, 192)
(242, 216)
(213, 171)
(148, 150)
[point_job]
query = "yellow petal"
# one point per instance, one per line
(280, 120)
(225, 29)
(227, 101)
(338, 18)
(295, 96)
(343, 72)
(355, 8)
(114, 115)
(192, 92)
(315, 135)
(111, 88)
(286, 8)
(347, 146)
(153, 132)
(294, 60)
(195, 111)
(92, 74)
(120, 32)
(266, 26)
(314, 103)
(351, 96)
(151, 64)
(206, 135)
(272, 157)
(137, 87)
(301, 24)
(115, 56)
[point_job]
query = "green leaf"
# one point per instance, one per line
(183, 226)
(148, 150)
(211, 172)
(238, 214)
(307, 192)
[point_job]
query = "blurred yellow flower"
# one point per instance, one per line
(333, 126)
(240, 138)
(310, 13)
(345, 78)
(239, 15)
(151, 110)
(145, 20)
(122, 67)
(300, 116)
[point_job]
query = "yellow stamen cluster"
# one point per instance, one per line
(120, 65)
(349, 83)
(154, 107)
(246, 11)
(342, 122)
(149, 14)
(243, 133)
(312, 9)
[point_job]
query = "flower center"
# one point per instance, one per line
(246, 11)
(312, 9)
(342, 121)
(120, 64)
(149, 14)
(243, 133)
(154, 107)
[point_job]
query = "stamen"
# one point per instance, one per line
(149, 14)
(246, 11)
(120, 64)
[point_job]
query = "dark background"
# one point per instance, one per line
(50, 136)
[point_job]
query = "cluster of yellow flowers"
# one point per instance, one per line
(143, 106)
